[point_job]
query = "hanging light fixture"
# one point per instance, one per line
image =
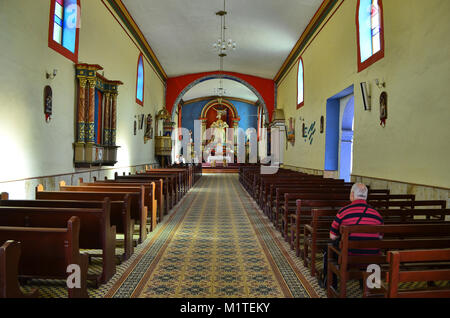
(222, 44)
(220, 91)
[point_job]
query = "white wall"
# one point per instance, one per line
(29, 146)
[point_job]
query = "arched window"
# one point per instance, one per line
(64, 27)
(370, 32)
(140, 81)
(300, 85)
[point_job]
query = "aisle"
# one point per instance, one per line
(215, 244)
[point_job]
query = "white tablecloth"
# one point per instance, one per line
(219, 159)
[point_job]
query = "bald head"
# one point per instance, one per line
(359, 192)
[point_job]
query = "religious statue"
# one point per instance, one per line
(148, 129)
(220, 126)
(48, 103)
(219, 137)
(383, 109)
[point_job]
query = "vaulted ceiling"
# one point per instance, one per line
(181, 33)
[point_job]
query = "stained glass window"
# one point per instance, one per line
(70, 24)
(300, 84)
(64, 27)
(58, 22)
(140, 81)
(375, 24)
(370, 31)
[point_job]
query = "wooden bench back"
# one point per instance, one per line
(425, 273)
(410, 236)
(157, 191)
(9, 272)
(47, 252)
(120, 215)
(138, 211)
(134, 197)
(147, 193)
(94, 222)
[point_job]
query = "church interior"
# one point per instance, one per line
(203, 148)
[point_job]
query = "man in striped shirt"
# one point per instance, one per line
(357, 213)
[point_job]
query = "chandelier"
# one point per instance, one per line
(222, 45)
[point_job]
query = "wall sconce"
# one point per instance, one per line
(365, 91)
(380, 84)
(51, 76)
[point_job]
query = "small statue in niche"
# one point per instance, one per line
(148, 129)
(48, 101)
(383, 109)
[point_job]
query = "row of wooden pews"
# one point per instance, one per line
(302, 207)
(40, 238)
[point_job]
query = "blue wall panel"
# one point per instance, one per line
(247, 113)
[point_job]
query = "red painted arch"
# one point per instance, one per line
(265, 87)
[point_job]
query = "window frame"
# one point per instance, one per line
(57, 46)
(378, 55)
(299, 105)
(138, 101)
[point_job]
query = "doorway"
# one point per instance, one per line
(339, 135)
(346, 140)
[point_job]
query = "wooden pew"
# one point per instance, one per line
(185, 173)
(289, 182)
(9, 276)
(397, 237)
(289, 177)
(306, 187)
(425, 273)
(95, 229)
(290, 204)
(271, 201)
(179, 180)
(47, 252)
(176, 179)
(120, 214)
(269, 198)
(168, 186)
(317, 233)
(161, 211)
(137, 210)
(148, 201)
(302, 216)
(298, 219)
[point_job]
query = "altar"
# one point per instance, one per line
(213, 159)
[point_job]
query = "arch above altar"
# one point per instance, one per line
(216, 117)
(210, 112)
(219, 113)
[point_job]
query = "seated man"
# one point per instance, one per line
(356, 213)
